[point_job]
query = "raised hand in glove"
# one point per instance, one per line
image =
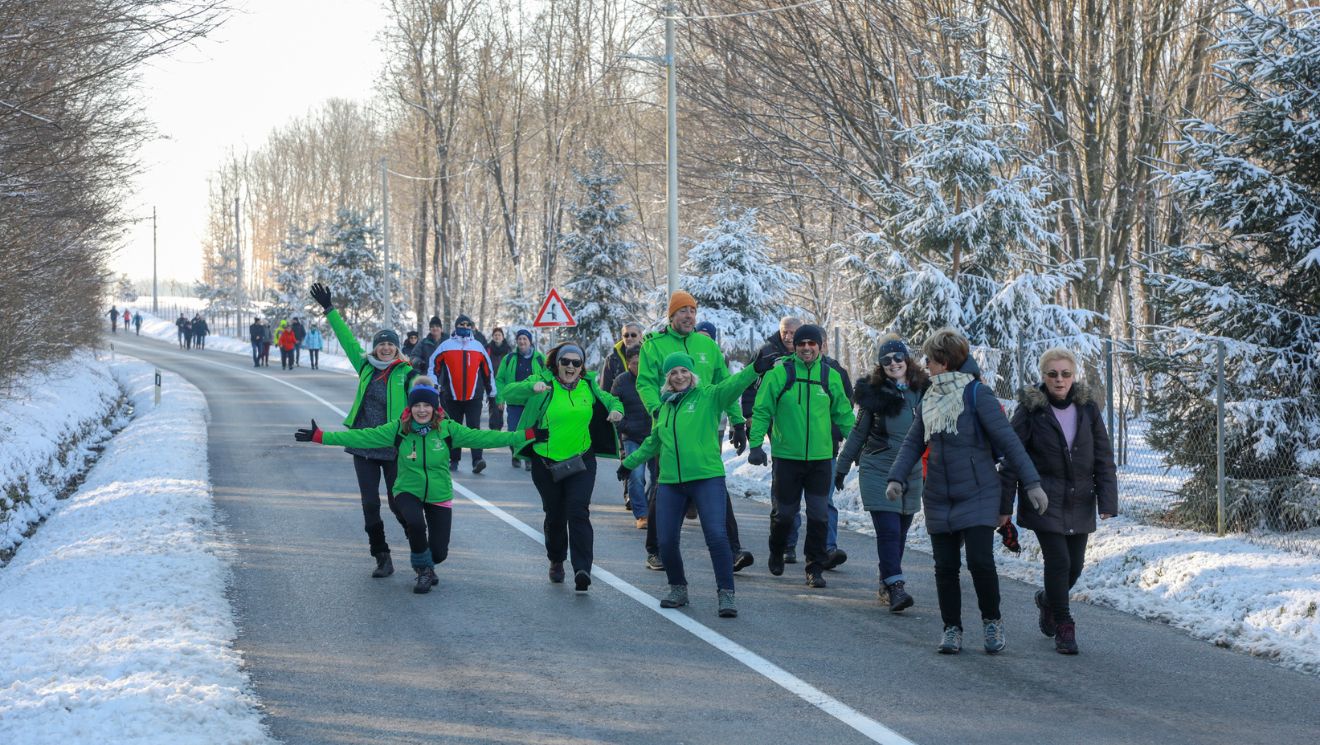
(758, 457)
(894, 491)
(321, 294)
(1039, 500)
(623, 473)
(738, 438)
(838, 480)
(308, 435)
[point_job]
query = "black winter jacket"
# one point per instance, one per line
(1079, 482)
(636, 423)
(771, 352)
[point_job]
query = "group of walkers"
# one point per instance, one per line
(192, 332)
(116, 316)
(291, 338)
(933, 439)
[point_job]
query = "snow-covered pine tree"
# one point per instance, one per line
(603, 286)
(1251, 279)
(518, 308)
(737, 287)
(349, 262)
(289, 298)
(124, 290)
(966, 238)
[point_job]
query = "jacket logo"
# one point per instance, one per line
(690, 408)
(701, 357)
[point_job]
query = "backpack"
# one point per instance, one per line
(969, 403)
(791, 377)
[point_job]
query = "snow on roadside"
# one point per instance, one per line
(114, 626)
(1229, 591)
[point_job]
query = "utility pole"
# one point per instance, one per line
(671, 149)
(154, 302)
(238, 259)
(387, 301)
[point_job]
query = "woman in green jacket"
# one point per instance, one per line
(691, 469)
(567, 401)
(422, 438)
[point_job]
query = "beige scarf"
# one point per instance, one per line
(943, 403)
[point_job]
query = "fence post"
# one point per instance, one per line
(1219, 431)
(1109, 383)
(1019, 382)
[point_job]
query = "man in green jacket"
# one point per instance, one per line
(804, 400)
(709, 367)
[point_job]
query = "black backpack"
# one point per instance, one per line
(791, 377)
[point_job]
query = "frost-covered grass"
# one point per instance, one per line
(114, 626)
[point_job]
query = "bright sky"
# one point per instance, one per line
(274, 60)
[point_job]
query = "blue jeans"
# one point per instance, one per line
(671, 504)
(256, 352)
(637, 480)
(832, 534)
(891, 531)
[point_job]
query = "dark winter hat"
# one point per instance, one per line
(894, 346)
(523, 332)
(435, 321)
(412, 334)
(462, 319)
(809, 332)
(709, 329)
(677, 359)
(424, 394)
(385, 335)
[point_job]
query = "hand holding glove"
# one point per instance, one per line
(308, 435)
(894, 491)
(623, 473)
(757, 457)
(738, 438)
(321, 294)
(1038, 498)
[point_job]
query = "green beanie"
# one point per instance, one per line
(677, 359)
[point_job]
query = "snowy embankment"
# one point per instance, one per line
(1228, 591)
(114, 626)
(165, 330)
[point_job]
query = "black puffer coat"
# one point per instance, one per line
(770, 353)
(1079, 482)
(636, 423)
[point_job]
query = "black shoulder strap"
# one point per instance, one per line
(791, 377)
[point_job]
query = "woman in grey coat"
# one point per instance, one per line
(964, 426)
(887, 403)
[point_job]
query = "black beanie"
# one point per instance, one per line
(435, 321)
(424, 394)
(463, 318)
(385, 335)
(809, 332)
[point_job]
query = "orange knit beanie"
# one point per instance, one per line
(680, 299)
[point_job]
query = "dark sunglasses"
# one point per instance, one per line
(570, 362)
(465, 325)
(893, 359)
(807, 343)
(1057, 374)
(631, 336)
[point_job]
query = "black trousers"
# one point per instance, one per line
(428, 527)
(567, 506)
(653, 542)
(795, 481)
(312, 355)
(464, 412)
(1064, 556)
(946, 549)
(369, 473)
(494, 415)
(286, 358)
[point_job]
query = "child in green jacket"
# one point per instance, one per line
(424, 489)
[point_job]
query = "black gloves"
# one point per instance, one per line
(308, 435)
(738, 438)
(540, 434)
(623, 473)
(838, 480)
(321, 294)
(757, 457)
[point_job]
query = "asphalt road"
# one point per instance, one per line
(497, 654)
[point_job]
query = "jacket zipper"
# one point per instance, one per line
(806, 453)
(426, 474)
(678, 460)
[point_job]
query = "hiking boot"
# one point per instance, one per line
(384, 567)
(426, 579)
(515, 464)
(1046, 615)
(527, 465)
(653, 562)
(835, 558)
(728, 609)
(742, 560)
(677, 597)
(640, 523)
(1065, 638)
(951, 642)
(994, 636)
(790, 556)
(453, 468)
(814, 578)
(479, 466)
(581, 580)
(691, 511)
(899, 599)
(775, 563)
(556, 571)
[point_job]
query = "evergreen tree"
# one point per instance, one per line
(518, 307)
(1250, 280)
(603, 289)
(349, 262)
(736, 285)
(124, 289)
(288, 298)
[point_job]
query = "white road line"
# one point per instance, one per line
(867, 726)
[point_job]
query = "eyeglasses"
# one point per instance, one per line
(631, 336)
(570, 362)
(893, 359)
(1065, 374)
(808, 343)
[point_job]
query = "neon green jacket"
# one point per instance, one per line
(709, 366)
(604, 438)
(508, 368)
(396, 387)
(423, 460)
(804, 416)
(686, 432)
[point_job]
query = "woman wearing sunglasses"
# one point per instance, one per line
(887, 402)
(1059, 422)
(567, 400)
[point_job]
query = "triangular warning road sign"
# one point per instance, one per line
(554, 313)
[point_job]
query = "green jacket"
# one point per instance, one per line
(423, 460)
(396, 387)
(508, 368)
(604, 438)
(805, 415)
(686, 432)
(710, 367)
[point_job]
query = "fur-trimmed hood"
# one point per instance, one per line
(1036, 399)
(885, 399)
